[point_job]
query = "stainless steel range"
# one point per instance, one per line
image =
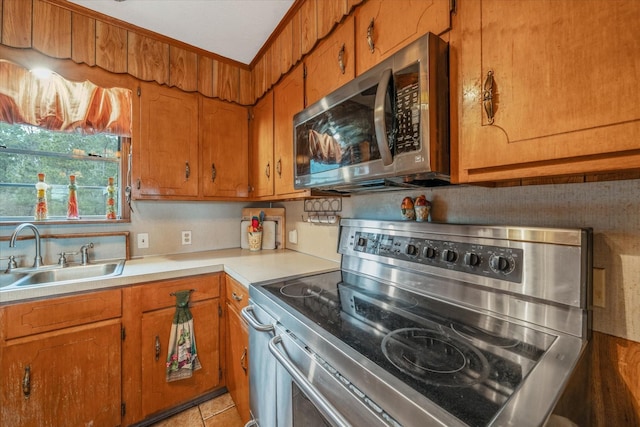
(425, 324)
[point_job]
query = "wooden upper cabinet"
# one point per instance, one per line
(224, 141)
(385, 26)
(261, 147)
(288, 100)
(16, 23)
(331, 64)
(558, 78)
(166, 153)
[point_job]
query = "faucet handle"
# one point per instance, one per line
(12, 263)
(62, 261)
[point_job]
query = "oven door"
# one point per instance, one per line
(291, 386)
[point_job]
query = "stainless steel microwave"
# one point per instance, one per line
(388, 127)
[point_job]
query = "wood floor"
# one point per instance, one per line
(218, 412)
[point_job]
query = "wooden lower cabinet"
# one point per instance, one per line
(237, 348)
(68, 373)
(148, 314)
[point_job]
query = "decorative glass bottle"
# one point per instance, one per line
(42, 210)
(72, 204)
(111, 200)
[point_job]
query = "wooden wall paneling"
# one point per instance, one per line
(226, 81)
(1, 26)
(245, 92)
(148, 59)
(83, 39)
(330, 12)
(51, 30)
(296, 39)
(308, 26)
(276, 63)
(352, 3)
(205, 75)
(183, 69)
(259, 82)
(111, 47)
(285, 51)
(16, 23)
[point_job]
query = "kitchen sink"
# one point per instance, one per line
(62, 274)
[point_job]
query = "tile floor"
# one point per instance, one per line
(218, 412)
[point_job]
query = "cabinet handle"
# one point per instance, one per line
(26, 382)
(236, 296)
(267, 170)
(158, 348)
(138, 183)
(372, 45)
(279, 168)
(213, 172)
(187, 170)
(341, 59)
(487, 96)
(243, 360)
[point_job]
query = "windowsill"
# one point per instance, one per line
(62, 222)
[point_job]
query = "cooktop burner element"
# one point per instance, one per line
(434, 358)
(444, 324)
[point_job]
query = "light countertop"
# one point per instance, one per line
(243, 265)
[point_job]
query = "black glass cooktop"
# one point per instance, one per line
(466, 362)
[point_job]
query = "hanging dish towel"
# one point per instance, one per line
(182, 359)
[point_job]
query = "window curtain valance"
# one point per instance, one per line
(57, 104)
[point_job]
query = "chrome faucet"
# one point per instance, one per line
(84, 251)
(37, 262)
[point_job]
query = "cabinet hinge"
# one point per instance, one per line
(219, 311)
(123, 409)
(452, 6)
(123, 334)
(249, 117)
(139, 91)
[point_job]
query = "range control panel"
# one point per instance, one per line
(489, 261)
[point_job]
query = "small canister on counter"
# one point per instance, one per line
(406, 208)
(422, 207)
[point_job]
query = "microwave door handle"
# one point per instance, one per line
(250, 318)
(312, 393)
(379, 122)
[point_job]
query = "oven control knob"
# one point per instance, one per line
(362, 241)
(471, 259)
(412, 250)
(449, 255)
(500, 264)
(429, 252)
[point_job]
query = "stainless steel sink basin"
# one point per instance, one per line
(65, 274)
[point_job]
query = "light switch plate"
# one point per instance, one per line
(143, 240)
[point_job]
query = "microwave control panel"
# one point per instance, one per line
(408, 118)
(503, 263)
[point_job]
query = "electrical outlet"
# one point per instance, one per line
(186, 237)
(143, 240)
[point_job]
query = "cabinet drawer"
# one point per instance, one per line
(47, 315)
(159, 294)
(237, 294)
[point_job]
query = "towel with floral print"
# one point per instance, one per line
(182, 358)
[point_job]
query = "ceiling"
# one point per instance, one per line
(235, 29)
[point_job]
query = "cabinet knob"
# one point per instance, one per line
(279, 168)
(187, 170)
(370, 42)
(243, 360)
(487, 97)
(213, 172)
(341, 60)
(236, 296)
(26, 382)
(267, 170)
(157, 348)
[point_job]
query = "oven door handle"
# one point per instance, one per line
(312, 393)
(247, 314)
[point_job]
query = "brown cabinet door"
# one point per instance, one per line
(561, 78)
(238, 361)
(261, 153)
(331, 64)
(157, 393)
(385, 26)
(288, 100)
(63, 378)
(166, 154)
(224, 137)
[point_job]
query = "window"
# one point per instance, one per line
(26, 151)
(60, 128)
